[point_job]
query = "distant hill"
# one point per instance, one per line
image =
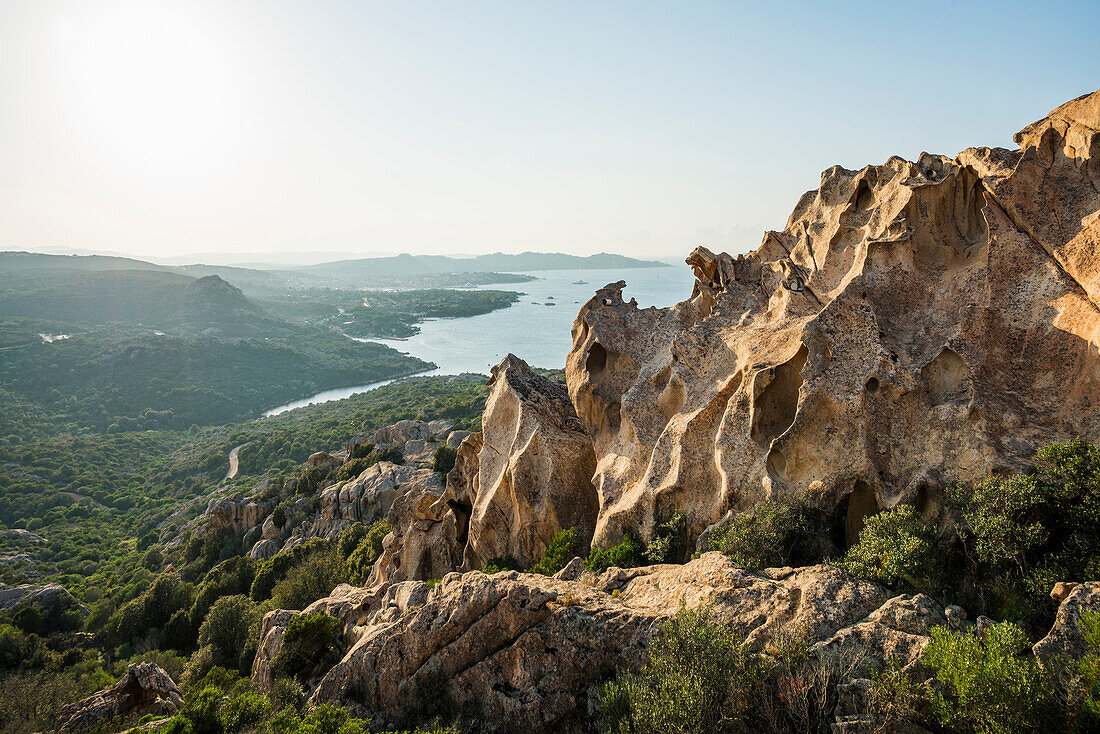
(10, 261)
(165, 300)
(497, 262)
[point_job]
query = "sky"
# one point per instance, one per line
(167, 128)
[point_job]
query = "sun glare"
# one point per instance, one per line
(152, 87)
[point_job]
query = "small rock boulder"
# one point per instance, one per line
(145, 689)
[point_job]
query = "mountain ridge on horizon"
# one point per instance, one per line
(401, 264)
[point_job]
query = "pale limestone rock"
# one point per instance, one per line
(914, 324)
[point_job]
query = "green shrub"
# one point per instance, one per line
(1029, 531)
(361, 450)
(310, 644)
(627, 554)
(352, 469)
(278, 515)
(502, 563)
(391, 454)
(311, 579)
(669, 544)
(310, 480)
(350, 538)
(233, 621)
(363, 558)
(234, 576)
(566, 545)
(896, 548)
(275, 569)
(698, 678)
(775, 534)
(201, 709)
(987, 682)
(444, 459)
(198, 665)
(244, 711)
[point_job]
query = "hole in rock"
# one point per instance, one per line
(947, 378)
(862, 503)
(872, 385)
(597, 359)
(777, 464)
(774, 409)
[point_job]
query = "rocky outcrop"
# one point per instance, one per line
(532, 473)
(144, 689)
(52, 600)
(1066, 639)
(916, 323)
(521, 651)
(237, 513)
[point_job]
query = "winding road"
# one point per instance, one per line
(234, 463)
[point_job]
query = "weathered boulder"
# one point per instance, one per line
(916, 323)
(369, 496)
(424, 541)
(264, 549)
(533, 470)
(236, 513)
(323, 460)
(1066, 639)
(522, 651)
(52, 600)
(144, 689)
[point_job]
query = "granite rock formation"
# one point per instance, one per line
(145, 689)
(914, 324)
(521, 649)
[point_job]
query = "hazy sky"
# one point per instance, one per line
(162, 128)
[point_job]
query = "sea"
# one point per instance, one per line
(537, 328)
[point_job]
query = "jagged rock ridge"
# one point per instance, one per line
(914, 324)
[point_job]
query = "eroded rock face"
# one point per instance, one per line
(145, 689)
(521, 651)
(914, 324)
(533, 469)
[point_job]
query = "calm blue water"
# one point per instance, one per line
(530, 329)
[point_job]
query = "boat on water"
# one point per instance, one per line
(580, 282)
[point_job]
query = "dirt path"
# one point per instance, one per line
(234, 462)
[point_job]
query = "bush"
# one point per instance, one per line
(391, 454)
(698, 678)
(627, 554)
(564, 547)
(244, 711)
(363, 558)
(310, 644)
(350, 538)
(350, 470)
(201, 709)
(1029, 531)
(275, 569)
(361, 450)
(669, 544)
(896, 548)
(309, 580)
(502, 563)
(232, 623)
(444, 459)
(775, 534)
(987, 682)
